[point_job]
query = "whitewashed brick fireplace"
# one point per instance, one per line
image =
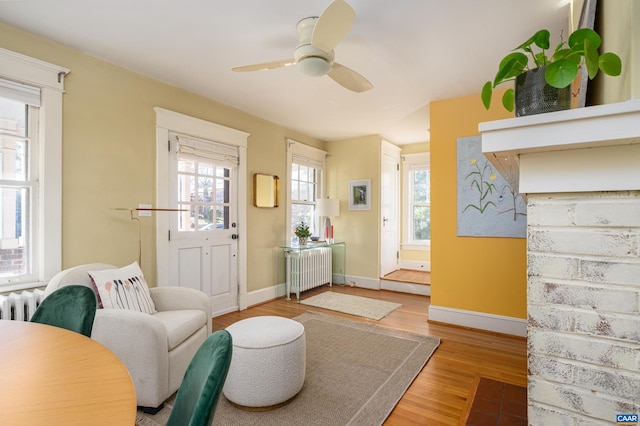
(580, 171)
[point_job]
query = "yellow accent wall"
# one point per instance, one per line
(109, 160)
(475, 274)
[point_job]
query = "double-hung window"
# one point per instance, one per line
(306, 178)
(30, 170)
(417, 201)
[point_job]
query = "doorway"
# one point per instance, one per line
(203, 175)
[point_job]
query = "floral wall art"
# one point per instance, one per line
(488, 204)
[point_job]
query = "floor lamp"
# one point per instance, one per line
(328, 207)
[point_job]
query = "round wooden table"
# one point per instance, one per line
(52, 376)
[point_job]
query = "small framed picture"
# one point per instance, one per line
(360, 194)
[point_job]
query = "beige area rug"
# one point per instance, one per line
(353, 305)
(356, 374)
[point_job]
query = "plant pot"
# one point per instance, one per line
(534, 96)
(302, 241)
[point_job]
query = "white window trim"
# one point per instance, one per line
(50, 79)
(410, 160)
(319, 156)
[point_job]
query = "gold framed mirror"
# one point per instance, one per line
(266, 190)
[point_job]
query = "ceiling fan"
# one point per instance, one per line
(314, 54)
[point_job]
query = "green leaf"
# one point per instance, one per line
(562, 53)
(577, 38)
(508, 100)
(610, 64)
(561, 73)
(541, 59)
(511, 65)
(591, 59)
(487, 91)
(540, 39)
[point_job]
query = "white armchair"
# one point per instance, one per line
(156, 349)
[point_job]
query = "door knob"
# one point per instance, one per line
(234, 236)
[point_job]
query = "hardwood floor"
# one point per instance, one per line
(438, 396)
(409, 276)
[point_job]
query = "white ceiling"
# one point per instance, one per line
(413, 52)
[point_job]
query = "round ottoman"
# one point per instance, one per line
(268, 364)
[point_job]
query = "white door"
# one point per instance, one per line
(389, 208)
(203, 244)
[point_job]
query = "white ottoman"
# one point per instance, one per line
(268, 364)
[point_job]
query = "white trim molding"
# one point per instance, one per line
(480, 320)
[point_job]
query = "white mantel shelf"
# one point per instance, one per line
(586, 149)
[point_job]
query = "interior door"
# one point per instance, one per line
(389, 208)
(203, 244)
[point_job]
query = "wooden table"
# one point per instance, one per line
(52, 376)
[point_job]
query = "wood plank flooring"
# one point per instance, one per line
(438, 396)
(409, 276)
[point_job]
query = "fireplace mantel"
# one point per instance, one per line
(586, 149)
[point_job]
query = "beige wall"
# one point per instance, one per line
(618, 22)
(109, 159)
(355, 159)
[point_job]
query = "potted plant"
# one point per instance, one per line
(559, 71)
(302, 232)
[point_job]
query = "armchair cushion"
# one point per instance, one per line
(180, 324)
(123, 288)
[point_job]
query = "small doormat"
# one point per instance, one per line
(498, 403)
(353, 305)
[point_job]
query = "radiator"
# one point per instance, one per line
(20, 307)
(307, 269)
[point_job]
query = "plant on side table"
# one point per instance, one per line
(302, 232)
(550, 78)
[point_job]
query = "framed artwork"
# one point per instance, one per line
(360, 194)
(488, 201)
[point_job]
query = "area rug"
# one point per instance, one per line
(356, 374)
(353, 305)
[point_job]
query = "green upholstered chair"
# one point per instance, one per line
(72, 307)
(202, 384)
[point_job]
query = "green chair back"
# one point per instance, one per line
(72, 307)
(202, 384)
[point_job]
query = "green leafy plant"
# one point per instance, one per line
(562, 67)
(302, 230)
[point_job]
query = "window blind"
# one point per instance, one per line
(209, 150)
(20, 92)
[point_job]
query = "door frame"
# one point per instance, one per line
(390, 150)
(166, 121)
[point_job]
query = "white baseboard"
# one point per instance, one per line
(420, 289)
(363, 282)
(265, 294)
(481, 320)
(415, 265)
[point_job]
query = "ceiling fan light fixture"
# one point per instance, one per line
(314, 66)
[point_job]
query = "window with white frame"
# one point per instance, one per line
(306, 178)
(416, 201)
(30, 159)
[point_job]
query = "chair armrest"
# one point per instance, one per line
(176, 298)
(140, 341)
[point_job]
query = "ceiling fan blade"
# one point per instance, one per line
(348, 78)
(265, 65)
(333, 25)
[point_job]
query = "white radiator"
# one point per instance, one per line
(307, 269)
(20, 307)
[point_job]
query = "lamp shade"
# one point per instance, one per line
(329, 207)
